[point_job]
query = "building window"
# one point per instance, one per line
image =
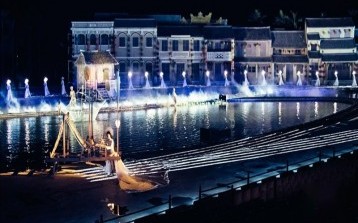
(180, 69)
(298, 52)
(165, 69)
(135, 41)
(93, 39)
(122, 67)
(81, 39)
(149, 67)
(104, 39)
(185, 45)
(195, 68)
(149, 42)
(164, 45)
(252, 69)
(217, 46)
(196, 45)
(122, 41)
(313, 47)
(175, 45)
(135, 66)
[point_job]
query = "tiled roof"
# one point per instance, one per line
(313, 36)
(289, 59)
(252, 33)
(137, 23)
(314, 54)
(180, 30)
(340, 43)
(101, 57)
(218, 32)
(329, 22)
(166, 18)
(253, 59)
(288, 39)
(351, 57)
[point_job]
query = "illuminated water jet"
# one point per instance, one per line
(47, 92)
(336, 82)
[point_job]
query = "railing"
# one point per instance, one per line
(216, 191)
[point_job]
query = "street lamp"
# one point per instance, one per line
(118, 124)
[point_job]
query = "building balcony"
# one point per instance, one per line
(225, 49)
(219, 56)
(180, 55)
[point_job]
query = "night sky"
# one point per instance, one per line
(34, 34)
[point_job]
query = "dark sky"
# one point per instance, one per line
(41, 27)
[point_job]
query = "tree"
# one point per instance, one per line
(291, 21)
(256, 17)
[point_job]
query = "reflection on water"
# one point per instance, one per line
(156, 131)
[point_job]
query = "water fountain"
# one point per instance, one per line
(184, 81)
(63, 89)
(162, 83)
(47, 92)
(280, 82)
(130, 85)
(9, 96)
(227, 83)
(318, 82)
(354, 83)
(336, 82)
(246, 81)
(208, 83)
(146, 74)
(27, 89)
(299, 81)
(264, 83)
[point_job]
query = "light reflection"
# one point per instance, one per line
(316, 107)
(175, 118)
(334, 107)
(9, 132)
(279, 113)
(46, 129)
(298, 110)
(27, 134)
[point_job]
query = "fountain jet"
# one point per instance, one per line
(336, 82)
(184, 81)
(299, 81)
(280, 82)
(147, 85)
(162, 83)
(27, 88)
(227, 83)
(208, 83)
(318, 82)
(47, 92)
(130, 85)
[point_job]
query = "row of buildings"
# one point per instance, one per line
(201, 47)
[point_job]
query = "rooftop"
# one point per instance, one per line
(252, 33)
(329, 22)
(340, 43)
(288, 39)
(135, 23)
